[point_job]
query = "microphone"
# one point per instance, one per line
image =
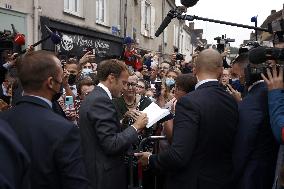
(19, 39)
(189, 3)
(174, 13)
(165, 23)
(261, 54)
(55, 37)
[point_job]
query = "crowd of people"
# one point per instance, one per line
(77, 123)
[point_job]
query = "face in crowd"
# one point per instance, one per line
(131, 86)
(225, 77)
(72, 68)
(163, 69)
(140, 88)
(170, 78)
(153, 72)
(85, 90)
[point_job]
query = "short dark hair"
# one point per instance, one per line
(81, 83)
(186, 82)
(111, 66)
(35, 67)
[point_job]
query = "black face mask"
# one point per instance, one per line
(58, 94)
(72, 79)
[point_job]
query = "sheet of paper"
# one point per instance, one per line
(155, 113)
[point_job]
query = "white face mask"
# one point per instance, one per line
(87, 71)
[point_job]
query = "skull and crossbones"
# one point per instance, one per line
(67, 43)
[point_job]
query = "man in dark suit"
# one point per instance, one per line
(200, 156)
(255, 151)
(14, 160)
(52, 142)
(104, 142)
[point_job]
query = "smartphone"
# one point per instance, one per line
(69, 103)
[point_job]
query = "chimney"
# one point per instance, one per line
(273, 11)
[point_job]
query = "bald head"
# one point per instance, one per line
(209, 61)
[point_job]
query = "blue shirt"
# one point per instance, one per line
(276, 112)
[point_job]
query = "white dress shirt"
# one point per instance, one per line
(105, 89)
(204, 81)
(44, 99)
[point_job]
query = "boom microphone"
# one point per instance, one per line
(165, 23)
(189, 3)
(174, 13)
(261, 54)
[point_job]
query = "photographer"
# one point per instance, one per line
(255, 149)
(274, 81)
(131, 55)
(275, 85)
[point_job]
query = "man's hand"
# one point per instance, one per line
(71, 114)
(133, 114)
(30, 49)
(12, 59)
(274, 80)
(236, 94)
(143, 157)
(88, 57)
(141, 121)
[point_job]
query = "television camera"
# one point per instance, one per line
(223, 42)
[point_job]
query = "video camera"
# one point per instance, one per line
(223, 42)
(179, 56)
(11, 41)
(262, 54)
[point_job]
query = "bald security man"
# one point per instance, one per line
(200, 156)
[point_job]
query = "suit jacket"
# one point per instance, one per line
(52, 143)
(255, 150)
(200, 156)
(15, 162)
(104, 145)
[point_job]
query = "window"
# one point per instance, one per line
(73, 6)
(176, 35)
(166, 36)
(147, 19)
(147, 16)
(101, 11)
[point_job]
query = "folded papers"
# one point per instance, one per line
(155, 113)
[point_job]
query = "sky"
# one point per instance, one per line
(237, 11)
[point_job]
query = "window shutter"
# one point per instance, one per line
(143, 17)
(152, 29)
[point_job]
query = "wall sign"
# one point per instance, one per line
(76, 44)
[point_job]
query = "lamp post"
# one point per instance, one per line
(254, 19)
